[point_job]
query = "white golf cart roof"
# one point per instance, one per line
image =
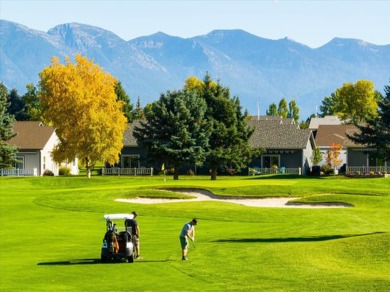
(118, 216)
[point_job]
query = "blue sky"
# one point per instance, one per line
(312, 23)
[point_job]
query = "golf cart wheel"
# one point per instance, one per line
(130, 259)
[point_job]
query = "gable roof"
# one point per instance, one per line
(31, 135)
(327, 120)
(328, 134)
(272, 134)
(128, 138)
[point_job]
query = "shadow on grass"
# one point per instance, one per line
(294, 239)
(93, 262)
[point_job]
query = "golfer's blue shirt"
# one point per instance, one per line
(186, 228)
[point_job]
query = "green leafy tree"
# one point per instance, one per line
(376, 131)
(229, 140)
(316, 156)
(32, 105)
(272, 110)
(125, 99)
(7, 151)
(282, 108)
(329, 106)
(176, 131)
(293, 111)
(352, 102)
(79, 100)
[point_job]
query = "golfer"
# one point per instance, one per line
(132, 224)
(187, 232)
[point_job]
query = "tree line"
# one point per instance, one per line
(200, 124)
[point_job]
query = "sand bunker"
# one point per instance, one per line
(202, 195)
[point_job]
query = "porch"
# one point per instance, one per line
(19, 172)
(367, 170)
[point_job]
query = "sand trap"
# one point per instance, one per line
(202, 195)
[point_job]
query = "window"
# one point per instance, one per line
(270, 160)
(20, 163)
(130, 161)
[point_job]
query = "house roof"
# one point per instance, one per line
(327, 120)
(128, 137)
(274, 134)
(273, 118)
(328, 134)
(31, 135)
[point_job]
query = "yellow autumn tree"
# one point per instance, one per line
(333, 155)
(79, 100)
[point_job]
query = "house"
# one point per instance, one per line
(360, 158)
(35, 142)
(132, 156)
(333, 134)
(356, 157)
(287, 146)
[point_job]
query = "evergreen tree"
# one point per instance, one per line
(16, 106)
(272, 110)
(127, 106)
(176, 131)
(376, 132)
(138, 112)
(229, 141)
(7, 152)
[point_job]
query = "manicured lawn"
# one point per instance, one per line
(51, 229)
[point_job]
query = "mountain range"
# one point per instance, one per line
(257, 70)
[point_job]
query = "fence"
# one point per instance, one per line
(19, 172)
(367, 170)
(282, 170)
(127, 171)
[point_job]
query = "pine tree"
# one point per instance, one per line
(7, 151)
(176, 131)
(229, 141)
(125, 99)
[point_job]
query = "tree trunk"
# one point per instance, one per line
(176, 173)
(88, 167)
(213, 173)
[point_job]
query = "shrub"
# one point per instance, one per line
(48, 172)
(64, 171)
(327, 169)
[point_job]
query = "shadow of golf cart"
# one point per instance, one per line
(117, 241)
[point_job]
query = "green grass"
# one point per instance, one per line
(51, 230)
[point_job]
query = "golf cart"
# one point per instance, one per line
(117, 241)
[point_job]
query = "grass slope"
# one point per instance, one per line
(51, 230)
